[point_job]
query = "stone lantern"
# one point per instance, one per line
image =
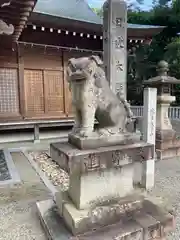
(167, 143)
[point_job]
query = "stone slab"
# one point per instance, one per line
(143, 225)
(73, 159)
(4, 171)
(51, 221)
(80, 221)
(8, 171)
(103, 141)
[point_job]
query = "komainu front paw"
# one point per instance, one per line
(75, 129)
(85, 132)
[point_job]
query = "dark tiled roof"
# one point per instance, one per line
(72, 9)
(76, 10)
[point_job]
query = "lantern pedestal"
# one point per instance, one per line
(167, 144)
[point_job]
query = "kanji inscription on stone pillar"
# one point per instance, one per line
(115, 44)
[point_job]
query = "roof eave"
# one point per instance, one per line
(17, 14)
(49, 21)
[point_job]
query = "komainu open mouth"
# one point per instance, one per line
(74, 73)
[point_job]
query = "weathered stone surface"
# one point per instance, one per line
(166, 135)
(149, 222)
(94, 174)
(73, 159)
(166, 219)
(96, 141)
(107, 213)
(92, 98)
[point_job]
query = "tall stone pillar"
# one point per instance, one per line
(115, 44)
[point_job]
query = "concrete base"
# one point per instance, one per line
(97, 141)
(148, 223)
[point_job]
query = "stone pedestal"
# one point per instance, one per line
(102, 174)
(102, 201)
(167, 142)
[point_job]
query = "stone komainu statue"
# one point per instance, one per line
(92, 98)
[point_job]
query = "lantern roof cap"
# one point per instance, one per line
(162, 78)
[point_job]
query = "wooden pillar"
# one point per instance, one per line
(65, 58)
(36, 133)
(21, 80)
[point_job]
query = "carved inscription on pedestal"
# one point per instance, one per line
(118, 157)
(92, 162)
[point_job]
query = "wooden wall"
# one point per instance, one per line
(33, 84)
(9, 85)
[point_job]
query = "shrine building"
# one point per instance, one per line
(33, 88)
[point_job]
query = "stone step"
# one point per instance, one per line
(80, 221)
(143, 225)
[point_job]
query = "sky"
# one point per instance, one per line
(99, 3)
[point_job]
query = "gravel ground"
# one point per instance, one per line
(19, 221)
(18, 217)
(54, 173)
(167, 186)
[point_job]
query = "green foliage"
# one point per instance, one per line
(141, 66)
(98, 11)
(172, 55)
(143, 60)
(164, 46)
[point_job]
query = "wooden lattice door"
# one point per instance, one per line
(54, 92)
(44, 93)
(9, 95)
(34, 92)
